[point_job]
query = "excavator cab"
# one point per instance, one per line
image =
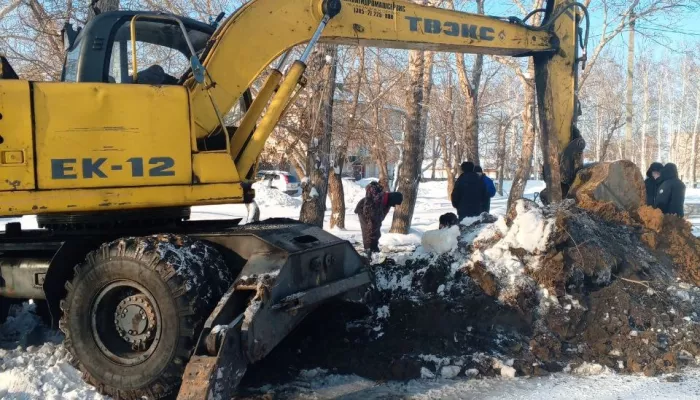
(103, 51)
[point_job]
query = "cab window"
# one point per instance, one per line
(162, 53)
(70, 67)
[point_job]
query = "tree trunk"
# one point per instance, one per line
(335, 184)
(694, 145)
(630, 90)
(413, 145)
(335, 188)
(9, 8)
(523, 172)
(471, 94)
(659, 121)
(501, 155)
(470, 89)
(446, 143)
(645, 120)
(315, 190)
(101, 6)
(383, 172)
(598, 135)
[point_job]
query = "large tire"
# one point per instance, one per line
(177, 280)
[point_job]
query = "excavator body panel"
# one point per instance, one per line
(16, 139)
(101, 135)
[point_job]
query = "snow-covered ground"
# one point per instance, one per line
(432, 202)
(315, 384)
(33, 363)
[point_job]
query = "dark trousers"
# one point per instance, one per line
(370, 240)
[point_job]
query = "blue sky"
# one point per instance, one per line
(662, 36)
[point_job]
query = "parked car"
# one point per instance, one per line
(280, 180)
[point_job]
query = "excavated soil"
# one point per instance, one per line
(615, 288)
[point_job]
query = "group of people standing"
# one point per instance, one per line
(472, 192)
(664, 189)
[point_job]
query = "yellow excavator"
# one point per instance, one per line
(111, 159)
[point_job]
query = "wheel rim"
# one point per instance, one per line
(126, 322)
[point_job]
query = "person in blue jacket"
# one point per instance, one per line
(490, 188)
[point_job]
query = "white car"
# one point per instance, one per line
(280, 180)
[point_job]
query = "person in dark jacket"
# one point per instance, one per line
(671, 194)
(469, 192)
(652, 182)
(490, 188)
(372, 210)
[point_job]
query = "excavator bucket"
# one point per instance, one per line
(291, 268)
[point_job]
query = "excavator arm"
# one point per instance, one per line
(263, 30)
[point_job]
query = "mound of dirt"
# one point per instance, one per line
(619, 183)
(551, 289)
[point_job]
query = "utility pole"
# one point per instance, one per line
(630, 89)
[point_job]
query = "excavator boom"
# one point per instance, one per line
(272, 27)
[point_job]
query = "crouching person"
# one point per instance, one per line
(448, 220)
(371, 212)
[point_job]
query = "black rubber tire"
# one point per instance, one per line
(185, 277)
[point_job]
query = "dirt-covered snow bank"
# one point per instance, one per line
(541, 291)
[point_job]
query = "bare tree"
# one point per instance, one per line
(9, 8)
(629, 103)
(470, 90)
(315, 189)
(413, 144)
(694, 145)
(645, 117)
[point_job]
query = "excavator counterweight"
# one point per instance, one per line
(111, 159)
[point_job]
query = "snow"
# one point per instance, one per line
(30, 370)
(398, 240)
(353, 193)
(41, 373)
(383, 312)
(506, 368)
(529, 231)
(561, 386)
(587, 369)
(449, 371)
(268, 197)
(425, 373)
(440, 241)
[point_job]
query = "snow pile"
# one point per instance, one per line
(440, 241)
(590, 369)
(506, 368)
(515, 246)
(268, 197)
(28, 371)
(353, 193)
(41, 373)
(530, 230)
(396, 240)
